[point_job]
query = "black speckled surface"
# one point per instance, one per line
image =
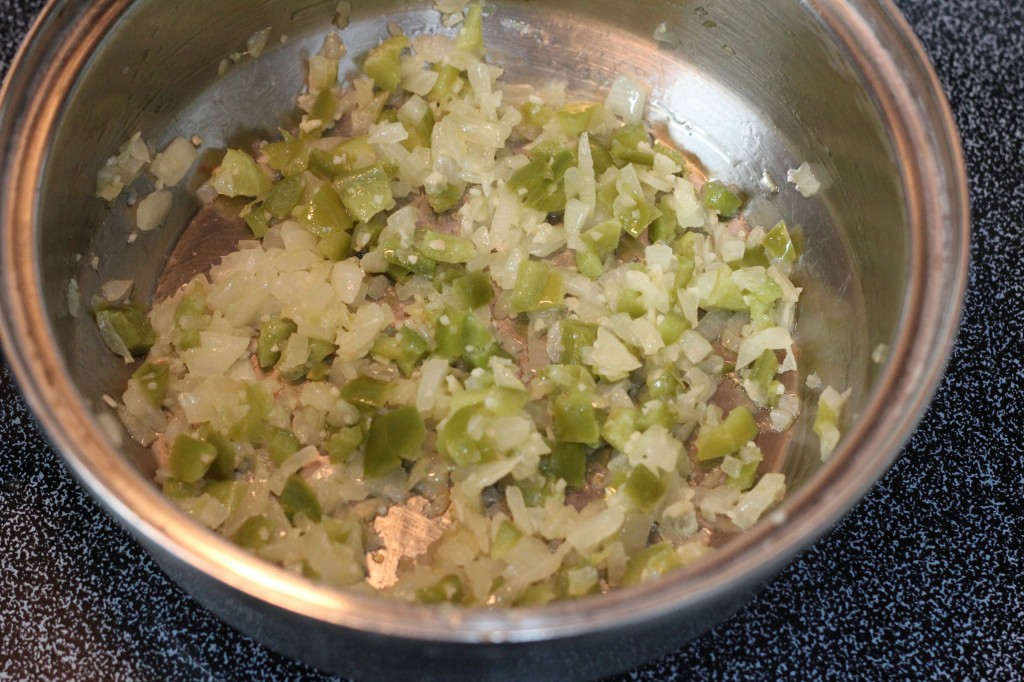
(923, 580)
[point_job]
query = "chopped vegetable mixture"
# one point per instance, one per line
(490, 328)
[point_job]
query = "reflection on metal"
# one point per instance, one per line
(406, 533)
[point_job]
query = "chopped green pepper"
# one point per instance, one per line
(298, 497)
(190, 458)
(735, 431)
(393, 436)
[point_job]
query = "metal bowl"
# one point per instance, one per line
(748, 87)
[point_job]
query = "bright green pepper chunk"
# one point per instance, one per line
(576, 337)
(281, 444)
(589, 263)
(725, 294)
(152, 379)
(535, 114)
(505, 539)
(383, 63)
(342, 444)
(253, 426)
(666, 226)
(449, 83)
(575, 419)
(446, 248)
(297, 497)
(337, 246)
(745, 479)
(619, 426)
(288, 156)
(324, 109)
(393, 436)
(256, 532)
(273, 332)
(366, 392)
(478, 344)
(257, 220)
(763, 372)
(631, 303)
(446, 199)
(405, 348)
(471, 36)
(228, 493)
(537, 287)
(575, 117)
(190, 458)
(651, 562)
(778, 245)
(473, 289)
(568, 461)
(324, 213)
(637, 217)
(625, 142)
(671, 327)
(190, 317)
(229, 456)
(125, 327)
(454, 442)
(366, 192)
(238, 175)
(718, 198)
(644, 488)
(604, 237)
(735, 431)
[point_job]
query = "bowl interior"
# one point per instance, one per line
(751, 91)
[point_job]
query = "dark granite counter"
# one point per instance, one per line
(922, 580)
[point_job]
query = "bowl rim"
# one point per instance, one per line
(880, 45)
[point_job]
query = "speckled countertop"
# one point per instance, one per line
(923, 580)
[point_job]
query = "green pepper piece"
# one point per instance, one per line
(619, 426)
(342, 444)
(238, 175)
(405, 348)
(273, 332)
(601, 156)
(568, 461)
(763, 372)
(152, 379)
(725, 294)
(531, 280)
(575, 419)
(671, 327)
(644, 488)
(228, 493)
(366, 192)
(575, 117)
(666, 226)
(651, 562)
(471, 36)
(257, 220)
(478, 344)
(446, 199)
(576, 337)
(662, 383)
(177, 490)
(298, 497)
(535, 114)
(505, 539)
(324, 109)
(393, 436)
(637, 217)
(256, 532)
(383, 63)
(366, 392)
(604, 237)
(447, 590)
(718, 198)
(778, 245)
(337, 246)
(253, 426)
(190, 458)
(324, 213)
(589, 263)
(473, 290)
(281, 444)
(624, 146)
(288, 156)
(229, 456)
(190, 317)
(745, 478)
(631, 303)
(735, 431)
(454, 442)
(673, 154)
(655, 413)
(446, 248)
(449, 83)
(284, 197)
(127, 328)
(448, 334)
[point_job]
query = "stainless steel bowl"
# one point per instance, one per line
(749, 87)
